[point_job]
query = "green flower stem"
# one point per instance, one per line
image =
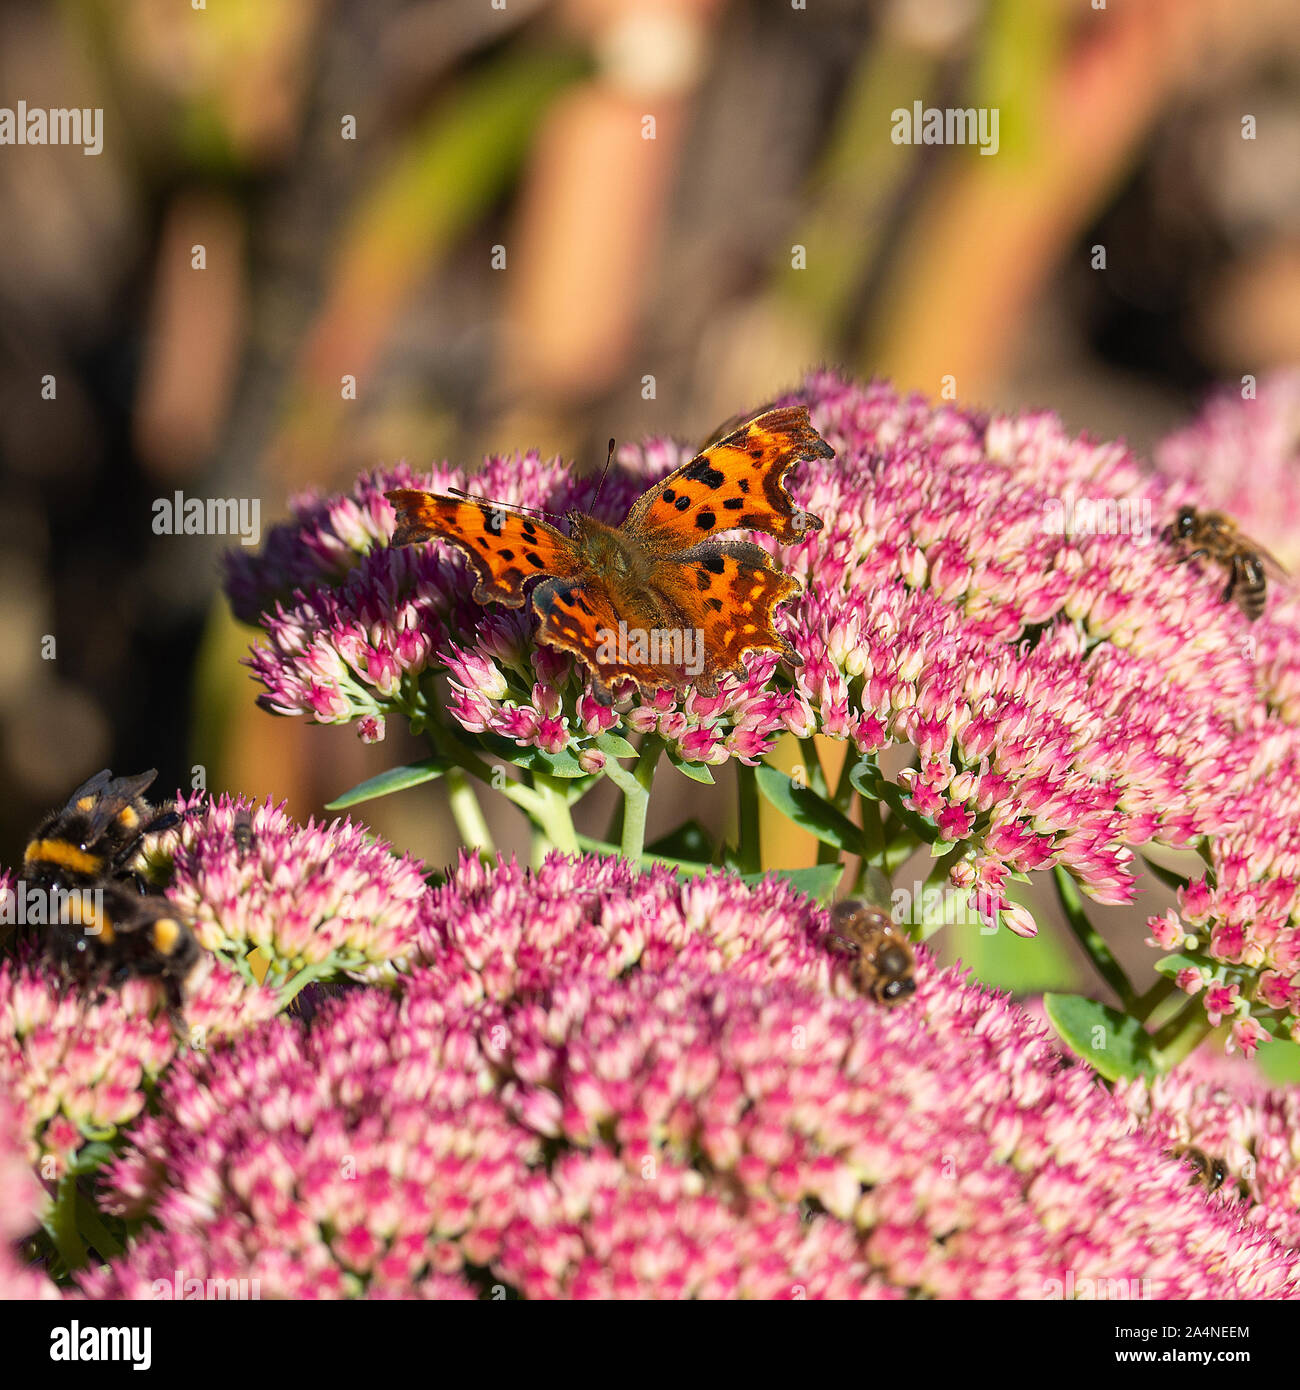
(294, 986)
(1145, 1007)
(106, 1245)
(813, 763)
(873, 832)
(843, 797)
(62, 1223)
(468, 815)
(749, 849)
(1091, 940)
(635, 786)
(548, 806)
(1181, 1035)
(678, 866)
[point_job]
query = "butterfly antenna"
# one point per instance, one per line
(609, 458)
(506, 506)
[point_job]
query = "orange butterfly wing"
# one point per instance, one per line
(737, 482)
(711, 604)
(505, 548)
(728, 590)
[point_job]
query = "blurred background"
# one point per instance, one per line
(536, 223)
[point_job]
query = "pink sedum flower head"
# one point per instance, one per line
(633, 1087)
(328, 899)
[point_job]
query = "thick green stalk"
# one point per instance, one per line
(549, 809)
(749, 850)
(1181, 1035)
(62, 1224)
(635, 786)
(1092, 941)
(468, 815)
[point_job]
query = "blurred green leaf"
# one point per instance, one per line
(690, 842)
(818, 882)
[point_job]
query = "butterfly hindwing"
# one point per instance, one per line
(505, 548)
(583, 619)
(736, 483)
(728, 591)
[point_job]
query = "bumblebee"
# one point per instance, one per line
(96, 835)
(1214, 536)
(103, 927)
(885, 962)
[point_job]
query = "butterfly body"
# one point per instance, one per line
(663, 599)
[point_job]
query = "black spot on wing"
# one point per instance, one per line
(705, 521)
(682, 503)
(702, 471)
(734, 504)
(533, 559)
(712, 562)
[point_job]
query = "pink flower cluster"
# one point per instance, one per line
(605, 1084)
(328, 896)
(989, 592)
(327, 899)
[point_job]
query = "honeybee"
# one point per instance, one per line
(242, 830)
(1214, 536)
(1208, 1172)
(885, 960)
(102, 927)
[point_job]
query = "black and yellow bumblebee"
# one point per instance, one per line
(103, 927)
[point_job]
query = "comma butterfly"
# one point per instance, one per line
(660, 600)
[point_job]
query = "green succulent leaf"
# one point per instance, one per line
(808, 811)
(396, 779)
(697, 772)
(614, 745)
(1112, 1043)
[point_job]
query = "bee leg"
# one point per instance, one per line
(1198, 554)
(1233, 577)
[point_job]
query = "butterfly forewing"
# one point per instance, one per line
(736, 483)
(505, 548)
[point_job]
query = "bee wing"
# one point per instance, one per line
(92, 787)
(1275, 568)
(117, 794)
